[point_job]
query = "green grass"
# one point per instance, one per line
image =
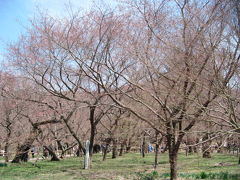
(129, 166)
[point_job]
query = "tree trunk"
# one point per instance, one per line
(6, 151)
(206, 153)
(173, 148)
(128, 148)
(79, 152)
(121, 149)
(190, 149)
(6, 147)
(92, 137)
(104, 154)
(114, 149)
(173, 165)
(52, 154)
(105, 151)
(67, 149)
(74, 135)
(86, 156)
(206, 147)
(156, 155)
(143, 146)
(22, 150)
(156, 150)
(61, 148)
(195, 149)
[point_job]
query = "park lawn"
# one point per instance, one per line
(130, 166)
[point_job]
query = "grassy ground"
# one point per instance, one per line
(130, 166)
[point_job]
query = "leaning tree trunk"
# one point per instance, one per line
(74, 135)
(22, 150)
(52, 154)
(67, 149)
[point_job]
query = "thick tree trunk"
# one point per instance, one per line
(173, 165)
(92, 137)
(22, 150)
(114, 149)
(173, 148)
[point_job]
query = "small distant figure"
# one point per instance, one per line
(33, 152)
(150, 148)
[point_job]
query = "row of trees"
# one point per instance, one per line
(111, 74)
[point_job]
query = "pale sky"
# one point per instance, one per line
(14, 15)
